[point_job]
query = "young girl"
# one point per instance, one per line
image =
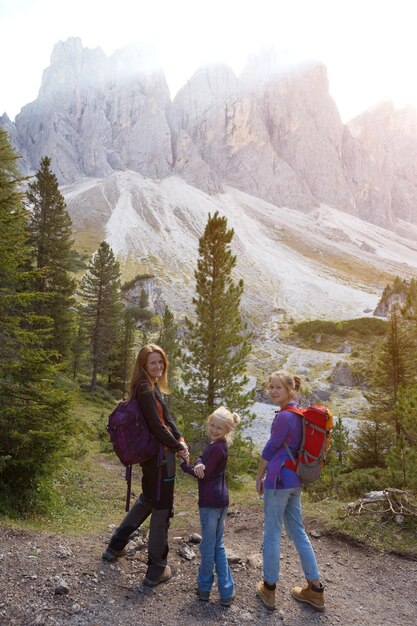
(213, 500)
(281, 489)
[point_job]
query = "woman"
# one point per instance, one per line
(149, 379)
(281, 490)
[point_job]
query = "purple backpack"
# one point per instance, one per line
(131, 438)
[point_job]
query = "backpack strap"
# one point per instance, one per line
(293, 463)
(128, 477)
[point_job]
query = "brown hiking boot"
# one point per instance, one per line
(166, 575)
(266, 595)
(310, 594)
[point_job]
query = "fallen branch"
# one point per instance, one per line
(394, 502)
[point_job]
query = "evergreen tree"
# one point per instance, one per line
(79, 345)
(372, 442)
(34, 421)
(50, 235)
(402, 458)
(217, 344)
(169, 342)
(123, 356)
(340, 440)
(395, 367)
(411, 301)
(100, 293)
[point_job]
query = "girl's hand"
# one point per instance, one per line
(199, 470)
(259, 485)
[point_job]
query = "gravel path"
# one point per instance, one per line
(363, 588)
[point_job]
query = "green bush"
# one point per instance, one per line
(363, 326)
(345, 483)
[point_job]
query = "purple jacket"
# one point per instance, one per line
(285, 427)
(212, 489)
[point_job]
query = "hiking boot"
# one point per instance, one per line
(266, 595)
(311, 594)
(227, 601)
(166, 575)
(110, 555)
(203, 595)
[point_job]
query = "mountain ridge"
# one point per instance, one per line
(272, 133)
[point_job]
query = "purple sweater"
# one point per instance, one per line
(212, 489)
(285, 427)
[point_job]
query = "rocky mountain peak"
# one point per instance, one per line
(275, 132)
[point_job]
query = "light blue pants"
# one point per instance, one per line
(284, 505)
(213, 553)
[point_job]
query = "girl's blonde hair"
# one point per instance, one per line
(291, 383)
(229, 419)
(139, 369)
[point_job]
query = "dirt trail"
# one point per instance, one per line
(362, 586)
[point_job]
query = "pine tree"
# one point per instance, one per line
(396, 366)
(34, 420)
(372, 442)
(217, 344)
(122, 357)
(100, 293)
(340, 440)
(402, 458)
(79, 347)
(169, 342)
(50, 235)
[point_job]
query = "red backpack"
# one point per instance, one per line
(317, 423)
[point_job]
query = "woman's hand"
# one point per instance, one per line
(199, 470)
(184, 454)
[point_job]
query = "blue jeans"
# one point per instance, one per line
(213, 553)
(284, 505)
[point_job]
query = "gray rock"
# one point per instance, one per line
(195, 538)
(342, 375)
(323, 393)
(64, 552)
(316, 534)
(186, 552)
(233, 558)
(61, 586)
(254, 560)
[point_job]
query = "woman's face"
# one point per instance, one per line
(278, 392)
(155, 366)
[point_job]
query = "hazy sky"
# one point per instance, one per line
(368, 46)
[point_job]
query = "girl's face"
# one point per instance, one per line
(154, 366)
(278, 392)
(217, 429)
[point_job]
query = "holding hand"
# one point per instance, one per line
(199, 470)
(184, 454)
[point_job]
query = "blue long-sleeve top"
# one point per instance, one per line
(212, 489)
(285, 427)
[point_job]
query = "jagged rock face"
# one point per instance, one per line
(227, 125)
(274, 134)
(305, 130)
(147, 283)
(385, 305)
(93, 119)
(389, 138)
